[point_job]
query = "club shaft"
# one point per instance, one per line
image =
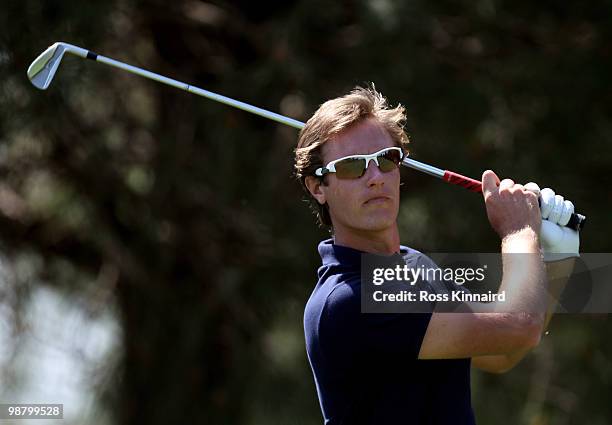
(576, 222)
(408, 162)
(451, 177)
(198, 91)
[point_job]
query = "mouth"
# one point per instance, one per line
(377, 200)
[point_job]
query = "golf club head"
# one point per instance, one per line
(43, 68)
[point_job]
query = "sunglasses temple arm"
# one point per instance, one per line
(576, 221)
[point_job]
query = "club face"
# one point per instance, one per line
(43, 68)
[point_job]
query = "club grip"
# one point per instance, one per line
(575, 222)
(463, 181)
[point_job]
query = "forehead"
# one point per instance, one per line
(366, 137)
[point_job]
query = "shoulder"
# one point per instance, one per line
(333, 310)
(337, 295)
(416, 258)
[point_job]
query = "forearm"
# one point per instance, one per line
(558, 273)
(524, 278)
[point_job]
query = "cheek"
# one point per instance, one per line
(341, 196)
(394, 181)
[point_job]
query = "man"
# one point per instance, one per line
(411, 368)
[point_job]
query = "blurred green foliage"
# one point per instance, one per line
(192, 204)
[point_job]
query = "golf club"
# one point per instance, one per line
(43, 69)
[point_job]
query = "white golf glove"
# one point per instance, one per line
(558, 242)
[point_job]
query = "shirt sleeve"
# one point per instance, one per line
(345, 329)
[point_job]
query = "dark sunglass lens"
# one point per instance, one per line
(389, 160)
(351, 168)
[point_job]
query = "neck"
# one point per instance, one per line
(385, 241)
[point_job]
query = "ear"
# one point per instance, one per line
(315, 187)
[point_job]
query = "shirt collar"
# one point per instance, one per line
(337, 254)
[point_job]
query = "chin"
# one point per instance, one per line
(373, 221)
(378, 223)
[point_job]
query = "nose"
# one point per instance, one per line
(373, 175)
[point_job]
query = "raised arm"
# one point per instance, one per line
(514, 214)
(560, 246)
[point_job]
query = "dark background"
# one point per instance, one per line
(179, 215)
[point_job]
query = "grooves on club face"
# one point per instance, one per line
(43, 68)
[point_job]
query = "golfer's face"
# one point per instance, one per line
(371, 202)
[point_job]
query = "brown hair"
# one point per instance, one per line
(333, 117)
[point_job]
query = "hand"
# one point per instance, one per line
(510, 208)
(558, 242)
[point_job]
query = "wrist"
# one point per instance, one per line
(525, 240)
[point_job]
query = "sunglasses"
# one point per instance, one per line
(355, 166)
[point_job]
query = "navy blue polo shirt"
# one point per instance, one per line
(366, 366)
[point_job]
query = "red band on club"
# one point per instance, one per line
(463, 181)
